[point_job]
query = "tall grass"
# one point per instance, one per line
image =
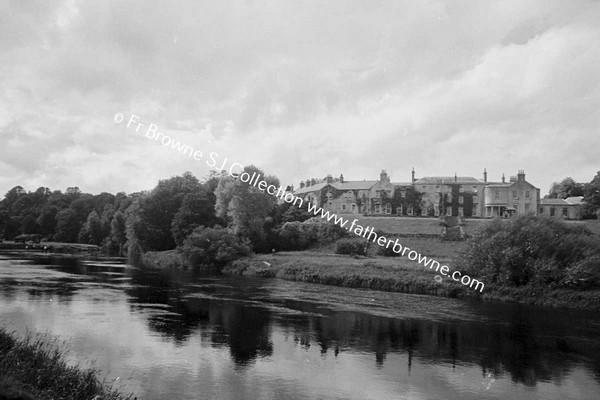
(34, 368)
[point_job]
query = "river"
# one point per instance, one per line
(175, 335)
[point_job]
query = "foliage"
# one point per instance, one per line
(566, 188)
(35, 368)
(210, 249)
(245, 207)
(352, 246)
(533, 250)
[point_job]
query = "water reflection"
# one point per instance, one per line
(480, 348)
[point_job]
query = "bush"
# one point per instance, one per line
(353, 246)
(295, 236)
(533, 250)
(211, 249)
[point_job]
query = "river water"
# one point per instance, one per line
(174, 335)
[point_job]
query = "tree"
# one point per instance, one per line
(196, 209)
(92, 231)
(210, 249)
(150, 217)
(118, 232)
(67, 226)
(245, 207)
(46, 221)
(566, 188)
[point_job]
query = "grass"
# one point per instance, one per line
(380, 273)
(410, 225)
(34, 368)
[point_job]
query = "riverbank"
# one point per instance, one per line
(397, 275)
(393, 274)
(33, 368)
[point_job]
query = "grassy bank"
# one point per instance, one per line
(35, 369)
(397, 275)
(386, 274)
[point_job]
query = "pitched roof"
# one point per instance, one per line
(574, 200)
(353, 185)
(438, 180)
(553, 202)
(346, 185)
(401, 183)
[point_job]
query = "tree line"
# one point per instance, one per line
(211, 221)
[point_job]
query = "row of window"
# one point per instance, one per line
(565, 211)
(515, 194)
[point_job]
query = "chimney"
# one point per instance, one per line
(484, 175)
(292, 188)
(413, 175)
(329, 178)
(383, 177)
(503, 178)
(301, 185)
(341, 178)
(512, 179)
(455, 177)
(312, 181)
(521, 175)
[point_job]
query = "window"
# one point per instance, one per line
(527, 194)
(475, 200)
(460, 188)
(460, 212)
(437, 186)
(552, 210)
(343, 207)
(527, 207)
(353, 207)
(399, 210)
(497, 194)
(565, 212)
(377, 193)
(474, 211)
(388, 208)
(409, 209)
(474, 187)
(460, 199)
(515, 194)
(403, 193)
(377, 208)
(541, 210)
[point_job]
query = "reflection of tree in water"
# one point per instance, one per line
(245, 330)
(516, 348)
(520, 347)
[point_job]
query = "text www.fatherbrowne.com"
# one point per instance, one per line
(256, 181)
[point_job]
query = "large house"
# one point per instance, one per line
(427, 196)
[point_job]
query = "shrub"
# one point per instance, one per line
(295, 236)
(352, 246)
(210, 249)
(533, 250)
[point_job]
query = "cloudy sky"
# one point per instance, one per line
(299, 88)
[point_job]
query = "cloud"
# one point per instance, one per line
(300, 91)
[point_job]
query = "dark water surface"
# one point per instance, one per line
(166, 335)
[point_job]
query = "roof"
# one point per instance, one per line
(401, 183)
(553, 202)
(353, 185)
(347, 185)
(439, 180)
(574, 200)
(499, 185)
(569, 201)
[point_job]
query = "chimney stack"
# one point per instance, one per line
(503, 178)
(413, 175)
(341, 178)
(521, 175)
(484, 175)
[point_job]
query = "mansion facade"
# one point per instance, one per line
(427, 196)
